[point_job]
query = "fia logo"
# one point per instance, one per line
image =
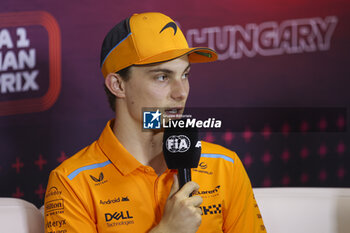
(151, 119)
(178, 143)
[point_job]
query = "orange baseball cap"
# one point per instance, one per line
(147, 38)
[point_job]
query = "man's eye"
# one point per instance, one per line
(161, 78)
(185, 76)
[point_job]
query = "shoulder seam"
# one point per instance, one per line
(73, 174)
(208, 155)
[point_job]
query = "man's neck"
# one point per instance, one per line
(146, 147)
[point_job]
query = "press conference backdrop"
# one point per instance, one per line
(279, 54)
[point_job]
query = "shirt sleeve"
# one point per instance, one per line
(64, 210)
(242, 213)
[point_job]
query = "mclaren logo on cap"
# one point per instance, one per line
(170, 25)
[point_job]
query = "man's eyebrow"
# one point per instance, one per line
(155, 70)
(160, 70)
(188, 67)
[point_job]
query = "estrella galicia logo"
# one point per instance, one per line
(203, 165)
(170, 25)
(100, 180)
(151, 119)
(118, 215)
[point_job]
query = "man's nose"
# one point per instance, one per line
(179, 90)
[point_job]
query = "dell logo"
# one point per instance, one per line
(117, 216)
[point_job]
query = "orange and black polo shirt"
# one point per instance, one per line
(103, 188)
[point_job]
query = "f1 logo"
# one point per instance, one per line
(30, 62)
(151, 119)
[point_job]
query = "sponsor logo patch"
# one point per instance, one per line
(118, 215)
(203, 165)
(170, 25)
(54, 205)
(202, 171)
(211, 209)
(53, 191)
(178, 143)
(118, 218)
(114, 200)
(100, 180)
(59, 223)
(216, 190)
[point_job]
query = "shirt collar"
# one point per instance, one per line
(116, 152)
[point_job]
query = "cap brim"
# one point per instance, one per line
(195, 55)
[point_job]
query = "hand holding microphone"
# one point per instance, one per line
(182, 151)
(181, 212)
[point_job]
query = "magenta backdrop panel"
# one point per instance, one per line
(290, 54)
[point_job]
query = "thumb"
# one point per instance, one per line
(174, 187)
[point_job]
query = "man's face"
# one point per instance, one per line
(164, 85)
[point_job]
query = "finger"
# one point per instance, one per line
(199, 211)
(195, 201)
(188, 188)
(174, 187)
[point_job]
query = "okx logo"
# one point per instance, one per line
(118, 215)
(151, 119)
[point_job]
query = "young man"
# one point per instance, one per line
(120, 183)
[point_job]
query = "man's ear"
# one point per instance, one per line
(115, 84)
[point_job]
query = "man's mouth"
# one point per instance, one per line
(173, 111)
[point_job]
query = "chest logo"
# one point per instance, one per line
(170, 25)
(211, 209)
(203, 165)
(100, 178)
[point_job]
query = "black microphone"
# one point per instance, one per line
(182, 150)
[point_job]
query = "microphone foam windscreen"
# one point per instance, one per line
(181, 147)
